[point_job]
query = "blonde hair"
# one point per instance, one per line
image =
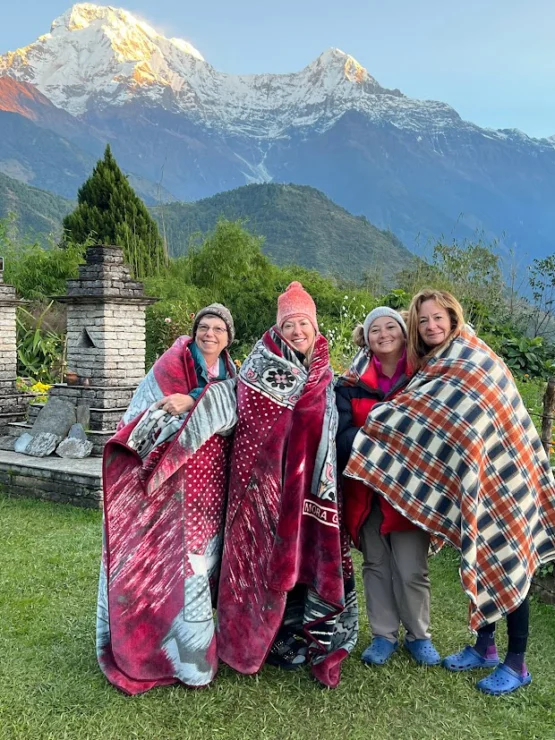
(418, 352)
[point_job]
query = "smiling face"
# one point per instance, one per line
(434, 323)
(211, 337)
(299, 333)
(386, 339)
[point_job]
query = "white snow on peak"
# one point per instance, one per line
(123, 28)
(97, 57)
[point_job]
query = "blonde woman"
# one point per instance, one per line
(287, 587)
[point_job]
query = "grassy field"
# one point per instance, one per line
(51, 687)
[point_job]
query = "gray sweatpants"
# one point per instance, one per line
(396, 582)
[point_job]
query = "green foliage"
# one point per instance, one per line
(109, 211)
(470, 271)
(229, 267)
(396, 298)
(32, 214)
(542, 283)
(165, 322)
(300, 225)
(525, 356)
(39, 273)
(39, 349)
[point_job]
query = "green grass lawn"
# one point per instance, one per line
(51, 687)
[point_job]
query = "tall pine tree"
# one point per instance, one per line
(110, 212)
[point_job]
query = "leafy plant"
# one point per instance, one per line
(524, 355)
(40, 350)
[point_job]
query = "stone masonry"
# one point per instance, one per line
(105, 340)
(13, 404)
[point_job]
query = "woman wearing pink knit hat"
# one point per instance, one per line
(286, 593)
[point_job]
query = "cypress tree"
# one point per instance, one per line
(110, 212)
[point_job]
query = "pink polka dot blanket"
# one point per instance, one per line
(164, 503)
(283, 525)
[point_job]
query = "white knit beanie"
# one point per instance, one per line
(377, 313)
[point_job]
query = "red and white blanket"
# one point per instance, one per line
(457, 453)
(164, 503)
(283, 521)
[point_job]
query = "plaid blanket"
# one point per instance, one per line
(457, 453)
(283, 520)
(164, 497)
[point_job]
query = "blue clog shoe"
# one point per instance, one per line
(467, 659)
(379, 651)
(423, 652)
(503, 680)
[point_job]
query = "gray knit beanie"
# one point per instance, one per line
(377, 313)
(223, 313)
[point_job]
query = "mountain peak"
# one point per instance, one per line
(353, 71)
(131, 38)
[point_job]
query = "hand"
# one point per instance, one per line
(176, 404)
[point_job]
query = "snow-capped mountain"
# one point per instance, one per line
(96, 57)
(188, 131)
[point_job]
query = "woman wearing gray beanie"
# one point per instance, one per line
(165, 485)
(395, 551)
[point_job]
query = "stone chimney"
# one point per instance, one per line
(105, 340)
(13, 404)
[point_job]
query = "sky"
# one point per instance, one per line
(492, 60)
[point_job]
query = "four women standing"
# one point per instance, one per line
(433, 439)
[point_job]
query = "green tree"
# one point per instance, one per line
(229, 266)
(110, 211)
(542, 284)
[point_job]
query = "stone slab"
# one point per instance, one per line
(77, 482)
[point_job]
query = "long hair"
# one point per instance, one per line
(418, 352)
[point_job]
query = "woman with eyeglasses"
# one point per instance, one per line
(165, 478)
(287, 593)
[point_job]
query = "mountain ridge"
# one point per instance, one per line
(186, 131)
(300, 225)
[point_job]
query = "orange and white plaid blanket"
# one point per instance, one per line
(457, 453)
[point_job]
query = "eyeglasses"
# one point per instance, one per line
(218, 331)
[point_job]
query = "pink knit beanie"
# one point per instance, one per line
(296, 302)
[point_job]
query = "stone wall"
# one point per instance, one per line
(8, 341)
(77, 482)
(13, 404)
(106, 343)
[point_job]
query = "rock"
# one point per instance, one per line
(7, 443)
(42, 444)
(74, 448)
(22, 442)
(56, 417)
(83, 415)
(77, 432)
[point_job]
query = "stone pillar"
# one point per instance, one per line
(13, 404)
(105, 340)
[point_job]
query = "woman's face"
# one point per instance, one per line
(434, 323)
(211, 336)
(386, 339)
(299, 333)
